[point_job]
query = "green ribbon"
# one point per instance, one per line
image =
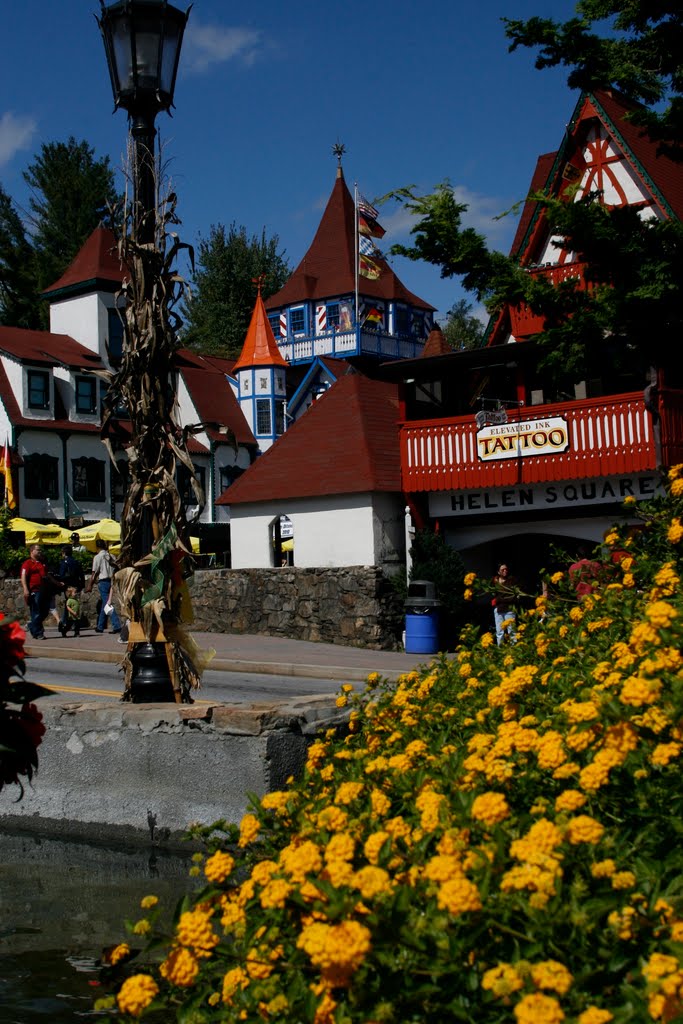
(162, 549)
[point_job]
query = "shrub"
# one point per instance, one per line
(497, 839)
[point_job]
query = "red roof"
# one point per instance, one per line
(327, 270)
(206, 378)
(436, 344)
(641, 152)
(41, 347)
(346, 443)
(260, 347)
(96, 261)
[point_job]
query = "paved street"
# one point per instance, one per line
(243, 668)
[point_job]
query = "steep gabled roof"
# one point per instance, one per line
(346, 443)
(206, 378)
(327, 270)
(45, 349)
(95, 266)
(661, 176)
(260, 347)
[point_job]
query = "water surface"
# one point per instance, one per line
(61, 903)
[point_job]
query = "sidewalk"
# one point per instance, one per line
(264, 655)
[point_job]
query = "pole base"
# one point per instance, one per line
(151, 680)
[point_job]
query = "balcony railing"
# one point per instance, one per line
(604, 437)
(354, 342)
(523, 321)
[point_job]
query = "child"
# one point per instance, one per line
(73, 612)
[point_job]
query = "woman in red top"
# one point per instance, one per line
(33, 572)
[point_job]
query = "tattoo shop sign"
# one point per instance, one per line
(521, 439)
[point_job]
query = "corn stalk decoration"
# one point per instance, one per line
(155, 561)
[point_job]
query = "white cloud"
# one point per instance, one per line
(205, 45)
(16, 133)
(480, 214)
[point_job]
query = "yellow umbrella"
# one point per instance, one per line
(40, 533)
(106, 529)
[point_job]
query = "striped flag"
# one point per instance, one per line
(365, 207)
(6, 470)
(368, 225)
(369, 268)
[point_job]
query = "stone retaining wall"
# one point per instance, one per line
(141, 772)
(355, 605)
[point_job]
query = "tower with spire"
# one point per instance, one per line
(329, 308)
(260, 373)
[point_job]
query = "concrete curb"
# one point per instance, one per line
(340, 672)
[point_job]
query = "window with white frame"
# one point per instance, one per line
(38, 388)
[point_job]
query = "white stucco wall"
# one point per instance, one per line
(83, 318)
(44, 442)
(334, 531)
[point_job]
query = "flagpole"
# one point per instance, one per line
(357, 255)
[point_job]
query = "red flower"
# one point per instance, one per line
(12, 638)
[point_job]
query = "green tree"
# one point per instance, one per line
(462, 330)
(633, 309)
(638, 50)
(19, 305)
(218, 312)
(71, 193)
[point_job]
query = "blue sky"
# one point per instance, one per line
(417, 92)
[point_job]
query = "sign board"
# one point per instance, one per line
(522, 439)
(567, 494)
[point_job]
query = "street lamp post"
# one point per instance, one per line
(142, 40)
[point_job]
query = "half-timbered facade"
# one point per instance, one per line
(492, 451)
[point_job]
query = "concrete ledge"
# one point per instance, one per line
(146, 771)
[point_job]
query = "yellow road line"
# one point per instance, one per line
(103, 693)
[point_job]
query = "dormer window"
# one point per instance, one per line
(38, 385)
(86, 395)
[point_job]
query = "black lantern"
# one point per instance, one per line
(142, 40)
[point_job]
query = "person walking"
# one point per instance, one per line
(103, 568)
(503, 612)
(33, 572)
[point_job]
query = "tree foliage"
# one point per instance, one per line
(462, 330)
(19, 304)
(641, 56)
(632, 309)
(218, 312)
(71, 192)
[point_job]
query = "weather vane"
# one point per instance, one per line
(339, 149)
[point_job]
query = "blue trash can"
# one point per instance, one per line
(422, 618)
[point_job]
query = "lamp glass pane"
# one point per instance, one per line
(169, 56)
(147, 54)
(120, 31)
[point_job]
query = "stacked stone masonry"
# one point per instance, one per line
(356, 605)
